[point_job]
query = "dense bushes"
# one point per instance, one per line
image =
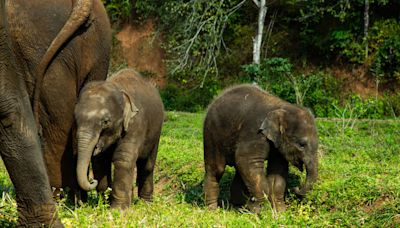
(190, 100)
(319, 91)
(386, 45)
(118, 10)
(336, 33)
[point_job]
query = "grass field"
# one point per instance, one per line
(359, 184)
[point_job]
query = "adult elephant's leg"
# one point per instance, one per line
(250, 166)
(124, 160)
(145, 170)
(277, 173)
(21, 153)
(19, 142)
(239, 192)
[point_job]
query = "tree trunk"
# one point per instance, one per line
(258, 38)
(366, 25)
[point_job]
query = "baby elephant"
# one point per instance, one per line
(246, 126)
(119, 121)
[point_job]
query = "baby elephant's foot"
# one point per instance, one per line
(120, 203)
(280, 207)
(238, 201)
(254, 206)
(146, 197)
(122, 206)
(212, 206)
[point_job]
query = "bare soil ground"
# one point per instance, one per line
(139, 47)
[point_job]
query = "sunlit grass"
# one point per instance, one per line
(359, 184)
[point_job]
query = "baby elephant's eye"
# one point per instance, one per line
(302, 144)
(106, 122)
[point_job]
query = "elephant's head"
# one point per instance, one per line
(293, 132)
(102, 114)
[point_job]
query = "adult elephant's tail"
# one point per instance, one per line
(80, 14)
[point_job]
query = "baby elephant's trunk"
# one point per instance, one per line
(86, 144)
(311, 178)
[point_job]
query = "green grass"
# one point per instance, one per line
(359, 184)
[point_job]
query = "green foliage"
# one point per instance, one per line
(335, 30)
(358, 184)
(194, 36)
(206, 42)
(272, 75)
(197, 45)
(8, 206)
(386, 43)
(190, 100)
(318, 91)
(356, 107)
(384, 48)
(347, 45)
(118, 10)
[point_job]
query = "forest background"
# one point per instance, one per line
(340, 58)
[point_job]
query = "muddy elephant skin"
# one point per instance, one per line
(245, 126)
(119, 121)
(48, 50)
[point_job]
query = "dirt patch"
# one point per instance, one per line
(376, 204)
(356, 80)
(159, 186)
(139, 47)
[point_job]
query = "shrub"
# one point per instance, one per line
(118, 10)
(179, 98)
(272, 75)
(318, 91)
(386, 41)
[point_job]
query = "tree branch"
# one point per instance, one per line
(257, 3)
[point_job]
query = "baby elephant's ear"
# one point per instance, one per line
(273, 127)
(130, 110)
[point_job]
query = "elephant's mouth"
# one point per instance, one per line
(299, 164)
(98, 148)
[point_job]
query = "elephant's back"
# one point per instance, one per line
(132, 81)
(241, 102)
(34, 24)
(237, 113)
(145, 95)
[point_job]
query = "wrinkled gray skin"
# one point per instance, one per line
(246, 126)
(48, 50)
(119, 121)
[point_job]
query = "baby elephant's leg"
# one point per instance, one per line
(251, 169)
(239, 192)
(277, 173)
(214, 167)
(124, 160)
(145, 171)
(101, 165)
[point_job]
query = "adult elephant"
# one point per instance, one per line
(48, 50)
(244, 127)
